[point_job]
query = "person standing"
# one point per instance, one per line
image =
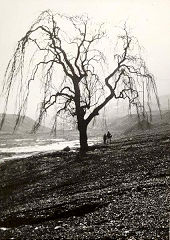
(104, 138)
(109, 137)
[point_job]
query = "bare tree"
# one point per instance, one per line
(66, 55)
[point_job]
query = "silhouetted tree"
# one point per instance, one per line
(67, 55)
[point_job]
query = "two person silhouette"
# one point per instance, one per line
(107, 137)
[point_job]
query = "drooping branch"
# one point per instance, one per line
(129, 72)
(65, 56)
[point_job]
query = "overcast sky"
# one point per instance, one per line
(148, 19)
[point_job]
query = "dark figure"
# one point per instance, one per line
(66, 149)
(104, 138)
(109, 137)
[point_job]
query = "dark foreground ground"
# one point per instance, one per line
(118, 191)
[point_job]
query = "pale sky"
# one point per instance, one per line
(148, 19)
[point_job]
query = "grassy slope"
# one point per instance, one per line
(113, 192)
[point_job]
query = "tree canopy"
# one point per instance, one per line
(78, 68)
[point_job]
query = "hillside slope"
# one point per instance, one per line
(116, 191)
(124, 124)
(24, 128)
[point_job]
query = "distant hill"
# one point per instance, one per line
(121, 108)
(24, 128)
(121, 124)
(129, 122)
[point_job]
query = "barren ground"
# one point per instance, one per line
(116, 191)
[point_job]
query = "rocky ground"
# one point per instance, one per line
(115, 191)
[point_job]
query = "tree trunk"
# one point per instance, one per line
(83, 137)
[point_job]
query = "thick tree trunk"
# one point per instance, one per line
(82, 123)
(83, 137)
